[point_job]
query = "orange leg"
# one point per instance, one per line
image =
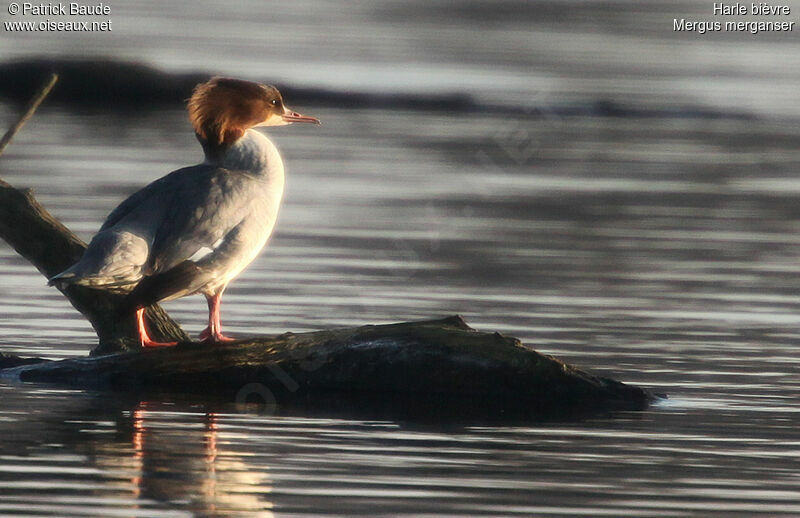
(144, 338)
(213, 333)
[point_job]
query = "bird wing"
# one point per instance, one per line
(188, 276)
(205, 207)
(121, 248)
(202, 233)
(151, 194)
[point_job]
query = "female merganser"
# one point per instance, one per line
(195, 229)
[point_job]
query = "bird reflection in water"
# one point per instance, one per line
(185, 465)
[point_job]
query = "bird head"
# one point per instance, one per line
(223, 108)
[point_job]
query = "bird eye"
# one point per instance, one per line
(274, 102)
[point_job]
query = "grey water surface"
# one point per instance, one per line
(626, 199)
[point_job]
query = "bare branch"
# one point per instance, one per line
(34, 104)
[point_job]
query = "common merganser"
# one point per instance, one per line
(195, 229)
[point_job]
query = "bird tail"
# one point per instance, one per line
(73, 277)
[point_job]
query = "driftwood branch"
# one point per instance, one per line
(434, 365)
(47, 244)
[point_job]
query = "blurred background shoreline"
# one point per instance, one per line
(507, 53)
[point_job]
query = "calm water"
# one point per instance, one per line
(660, 249)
